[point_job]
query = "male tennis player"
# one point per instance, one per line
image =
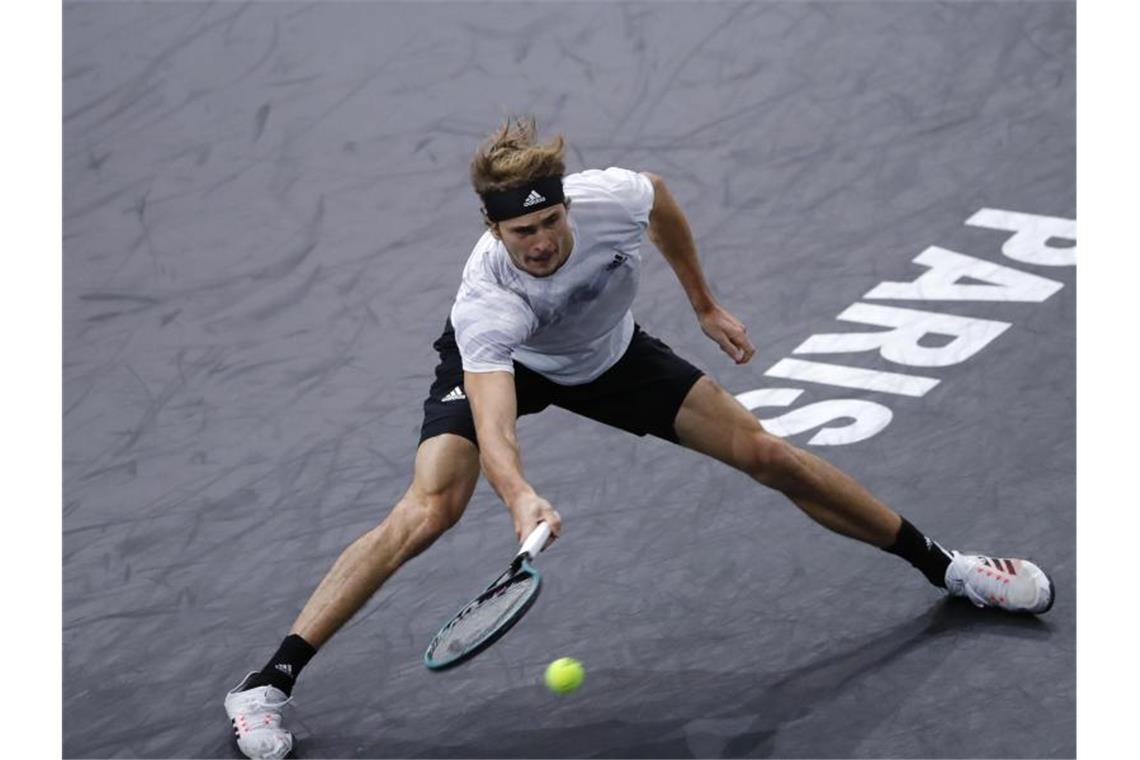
(542, 317)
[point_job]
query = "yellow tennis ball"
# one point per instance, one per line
(564, 675)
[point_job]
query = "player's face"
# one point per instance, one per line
(538, 243)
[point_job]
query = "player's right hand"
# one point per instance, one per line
(529, 510)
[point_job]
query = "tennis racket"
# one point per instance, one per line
(484, 619)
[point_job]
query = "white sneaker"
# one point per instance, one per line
(1015, 585)
(256, 718)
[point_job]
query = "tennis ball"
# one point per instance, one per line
(564, 675)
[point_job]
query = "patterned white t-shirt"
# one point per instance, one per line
(573, 325)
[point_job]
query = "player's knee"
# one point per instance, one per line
(443, 509)
(773, 461)
(420, 518)
(435, 511)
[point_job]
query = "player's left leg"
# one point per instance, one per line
(713, 422)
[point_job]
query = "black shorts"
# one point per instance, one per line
(641, 394)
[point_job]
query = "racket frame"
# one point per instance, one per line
(520, 565)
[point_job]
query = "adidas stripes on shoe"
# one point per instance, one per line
(256, 718)
(1014, 585)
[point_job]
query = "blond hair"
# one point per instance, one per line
(512, 157)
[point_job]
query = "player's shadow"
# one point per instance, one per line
(716, 714)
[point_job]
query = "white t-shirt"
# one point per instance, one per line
(573, 325)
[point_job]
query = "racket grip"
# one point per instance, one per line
(536, 540)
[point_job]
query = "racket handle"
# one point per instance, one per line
(535, 541)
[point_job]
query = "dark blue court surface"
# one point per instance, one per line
(266, 211)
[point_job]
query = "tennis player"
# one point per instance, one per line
(542, 316)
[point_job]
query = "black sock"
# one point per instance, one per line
(282, 670)
(925, 554)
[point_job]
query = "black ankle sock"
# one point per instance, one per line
(282, 670)
(925, 554)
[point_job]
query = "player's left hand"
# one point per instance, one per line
(728, 332)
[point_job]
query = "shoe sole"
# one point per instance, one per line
(1052, 594)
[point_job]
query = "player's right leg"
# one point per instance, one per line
(446, 472)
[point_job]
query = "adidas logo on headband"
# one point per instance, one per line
(533, 196)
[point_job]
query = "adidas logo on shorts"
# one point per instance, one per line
(455, 395)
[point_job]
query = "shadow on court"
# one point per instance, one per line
(696, 713)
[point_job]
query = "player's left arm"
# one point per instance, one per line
(670, 232)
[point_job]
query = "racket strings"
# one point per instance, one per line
(484, 616)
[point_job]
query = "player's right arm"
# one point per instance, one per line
(495, 409)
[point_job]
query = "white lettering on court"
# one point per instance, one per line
(1031, 236)
(902, 344)
(852, 377)
(944, 281)
(909, 339)
(867, 417)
